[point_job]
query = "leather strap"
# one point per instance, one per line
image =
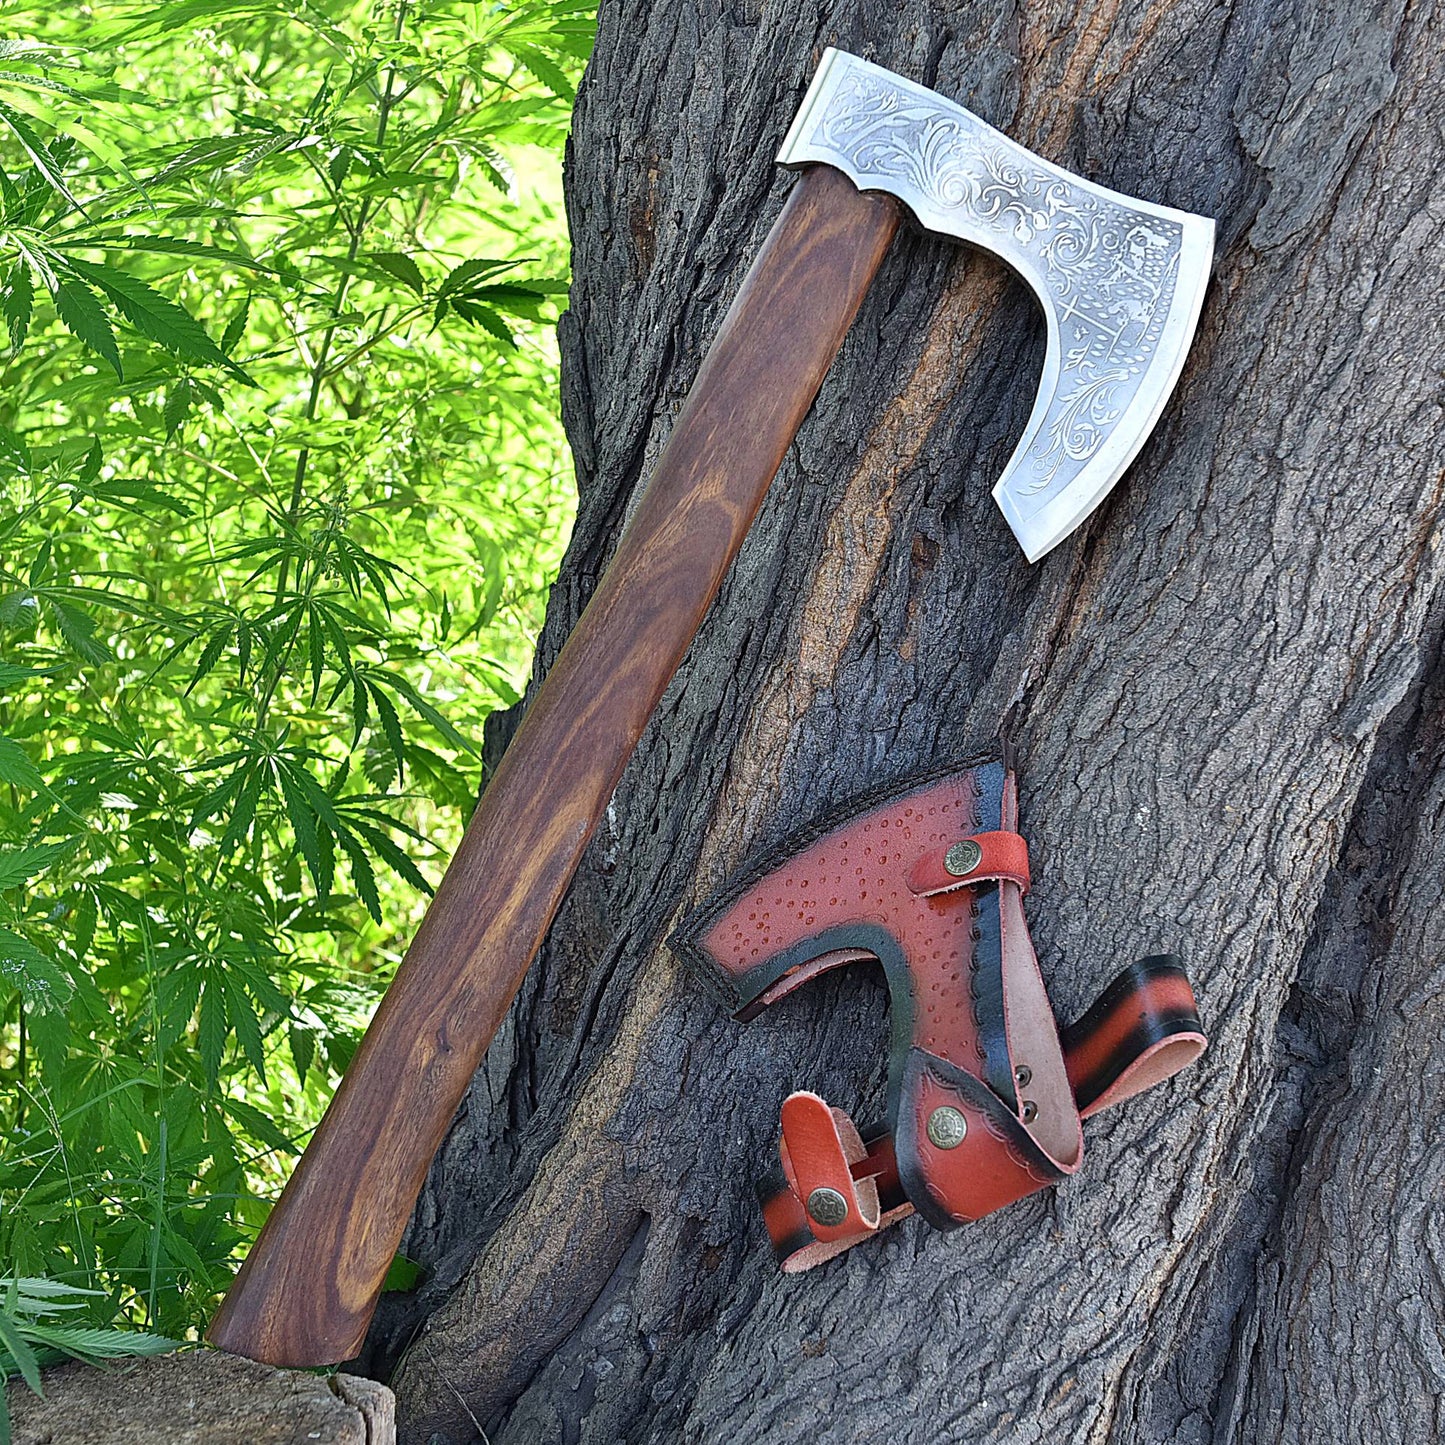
(1140, 1031)
(819, 1149)
(993, 857)
(1143, 1028)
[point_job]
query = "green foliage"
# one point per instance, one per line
(283, 487)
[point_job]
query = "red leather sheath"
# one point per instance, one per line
(985, 1098)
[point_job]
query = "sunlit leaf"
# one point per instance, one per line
(210, 654)
(486, 318)
(82, 314)
(236, 327)
(155, 317)
(403, 268)
(242, 1015)
(258, 1126)
(25, 967)
(16, 767)
(20, 865)
(16, 301)
(546, 69)
(362, 873)
(212, 1030)
(465, 276)
(39, 152)
(78, 629)
(303, 824)
(178, 406)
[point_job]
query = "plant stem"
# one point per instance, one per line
(20, 1060)
(318, 366)
(323, 352)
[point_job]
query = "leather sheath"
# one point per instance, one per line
(986, 1095)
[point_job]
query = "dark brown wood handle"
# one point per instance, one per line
(306, 1293)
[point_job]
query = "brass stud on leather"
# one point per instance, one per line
(1023, 1076)
(1030, 1111)
(947, 1127)
(962, 858)
(827, 1207)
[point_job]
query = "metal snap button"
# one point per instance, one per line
(963, 858)
(947, 1127)
(828, 1207)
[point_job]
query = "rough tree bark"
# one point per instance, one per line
(1228, 710)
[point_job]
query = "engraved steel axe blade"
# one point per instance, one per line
(1121, 280)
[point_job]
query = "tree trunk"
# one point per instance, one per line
(1228, 714)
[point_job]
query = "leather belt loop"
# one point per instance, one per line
(979, 858)
(819, 1149)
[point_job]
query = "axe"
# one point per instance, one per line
(1121, 283)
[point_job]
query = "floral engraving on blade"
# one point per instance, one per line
(1108, 270)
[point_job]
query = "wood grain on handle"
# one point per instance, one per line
(306, 1292)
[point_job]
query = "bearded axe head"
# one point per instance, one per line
(1121, 281)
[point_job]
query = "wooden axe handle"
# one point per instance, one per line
(306, 1292)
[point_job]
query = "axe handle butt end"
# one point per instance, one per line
(306, 1292)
